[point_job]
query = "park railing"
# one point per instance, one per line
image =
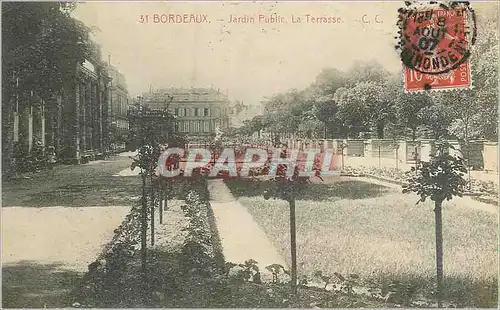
(401, 154)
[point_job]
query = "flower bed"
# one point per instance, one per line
(115, 278)
(202, 247)
(104, 274)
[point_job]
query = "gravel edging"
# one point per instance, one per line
(215, 239)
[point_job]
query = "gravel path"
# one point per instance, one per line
(71, 237)
(54, 224)
(242, 238)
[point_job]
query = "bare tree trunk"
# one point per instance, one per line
(380, 130)
(293, 246)
(153, 200)
(144, 227)
(439, 251)
(161, 201)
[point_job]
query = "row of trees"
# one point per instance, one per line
(368, 101)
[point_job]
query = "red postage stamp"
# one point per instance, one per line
(455, 79)
(435, 47)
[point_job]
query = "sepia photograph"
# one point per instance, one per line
(250, 154)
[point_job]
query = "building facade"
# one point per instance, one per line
(119, 103)
(73, 123)
(200, 112)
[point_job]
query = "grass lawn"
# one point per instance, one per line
(91, 184)
(349, 226)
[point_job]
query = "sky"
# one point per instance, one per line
(249, 61)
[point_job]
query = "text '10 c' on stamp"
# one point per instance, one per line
(435, 45)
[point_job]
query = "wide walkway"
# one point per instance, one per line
(54, 224)
(242, 238)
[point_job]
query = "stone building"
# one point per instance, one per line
(74, 122)
(118, 106)
(200, 112)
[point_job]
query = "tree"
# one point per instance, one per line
(353, 112)
(437, 118)
(328, 81)
(409, 113)
(327, 113)
(279, 123)
(287, 184)
(309, 125)
(151, 129)
(440, 179)
(381, 107)
(256, 125)
(371, 71)
(485, 69)
(41, 47)
(146, 161)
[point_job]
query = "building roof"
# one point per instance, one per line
(118, 79)
(187, 95)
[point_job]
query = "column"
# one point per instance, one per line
(30, 127)
(401, 152)
(83, 117)
(95, 134)
(42, 123)
(76, 133)
(57, 128)
(37, 122)
(105, 116)
(346, 145)
(16, 121)
(368, 148)
(425, 150)
(71, 123)
(24, 118)
(49, 113)
(88, 117)
(100, 115)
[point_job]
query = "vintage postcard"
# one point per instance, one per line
(244, 154)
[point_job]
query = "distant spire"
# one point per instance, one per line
(109, 59)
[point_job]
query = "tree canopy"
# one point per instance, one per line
(367, 101)
(41, 46)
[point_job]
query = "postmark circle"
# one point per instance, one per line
(436, 40)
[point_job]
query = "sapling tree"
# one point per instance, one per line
(150, 129)
(144, 159)
(288, 184)
(440, 179)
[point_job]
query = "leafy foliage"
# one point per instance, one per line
(367, 99)
(287, 182)
(41, 45)
(439, 179)
(41, 48)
